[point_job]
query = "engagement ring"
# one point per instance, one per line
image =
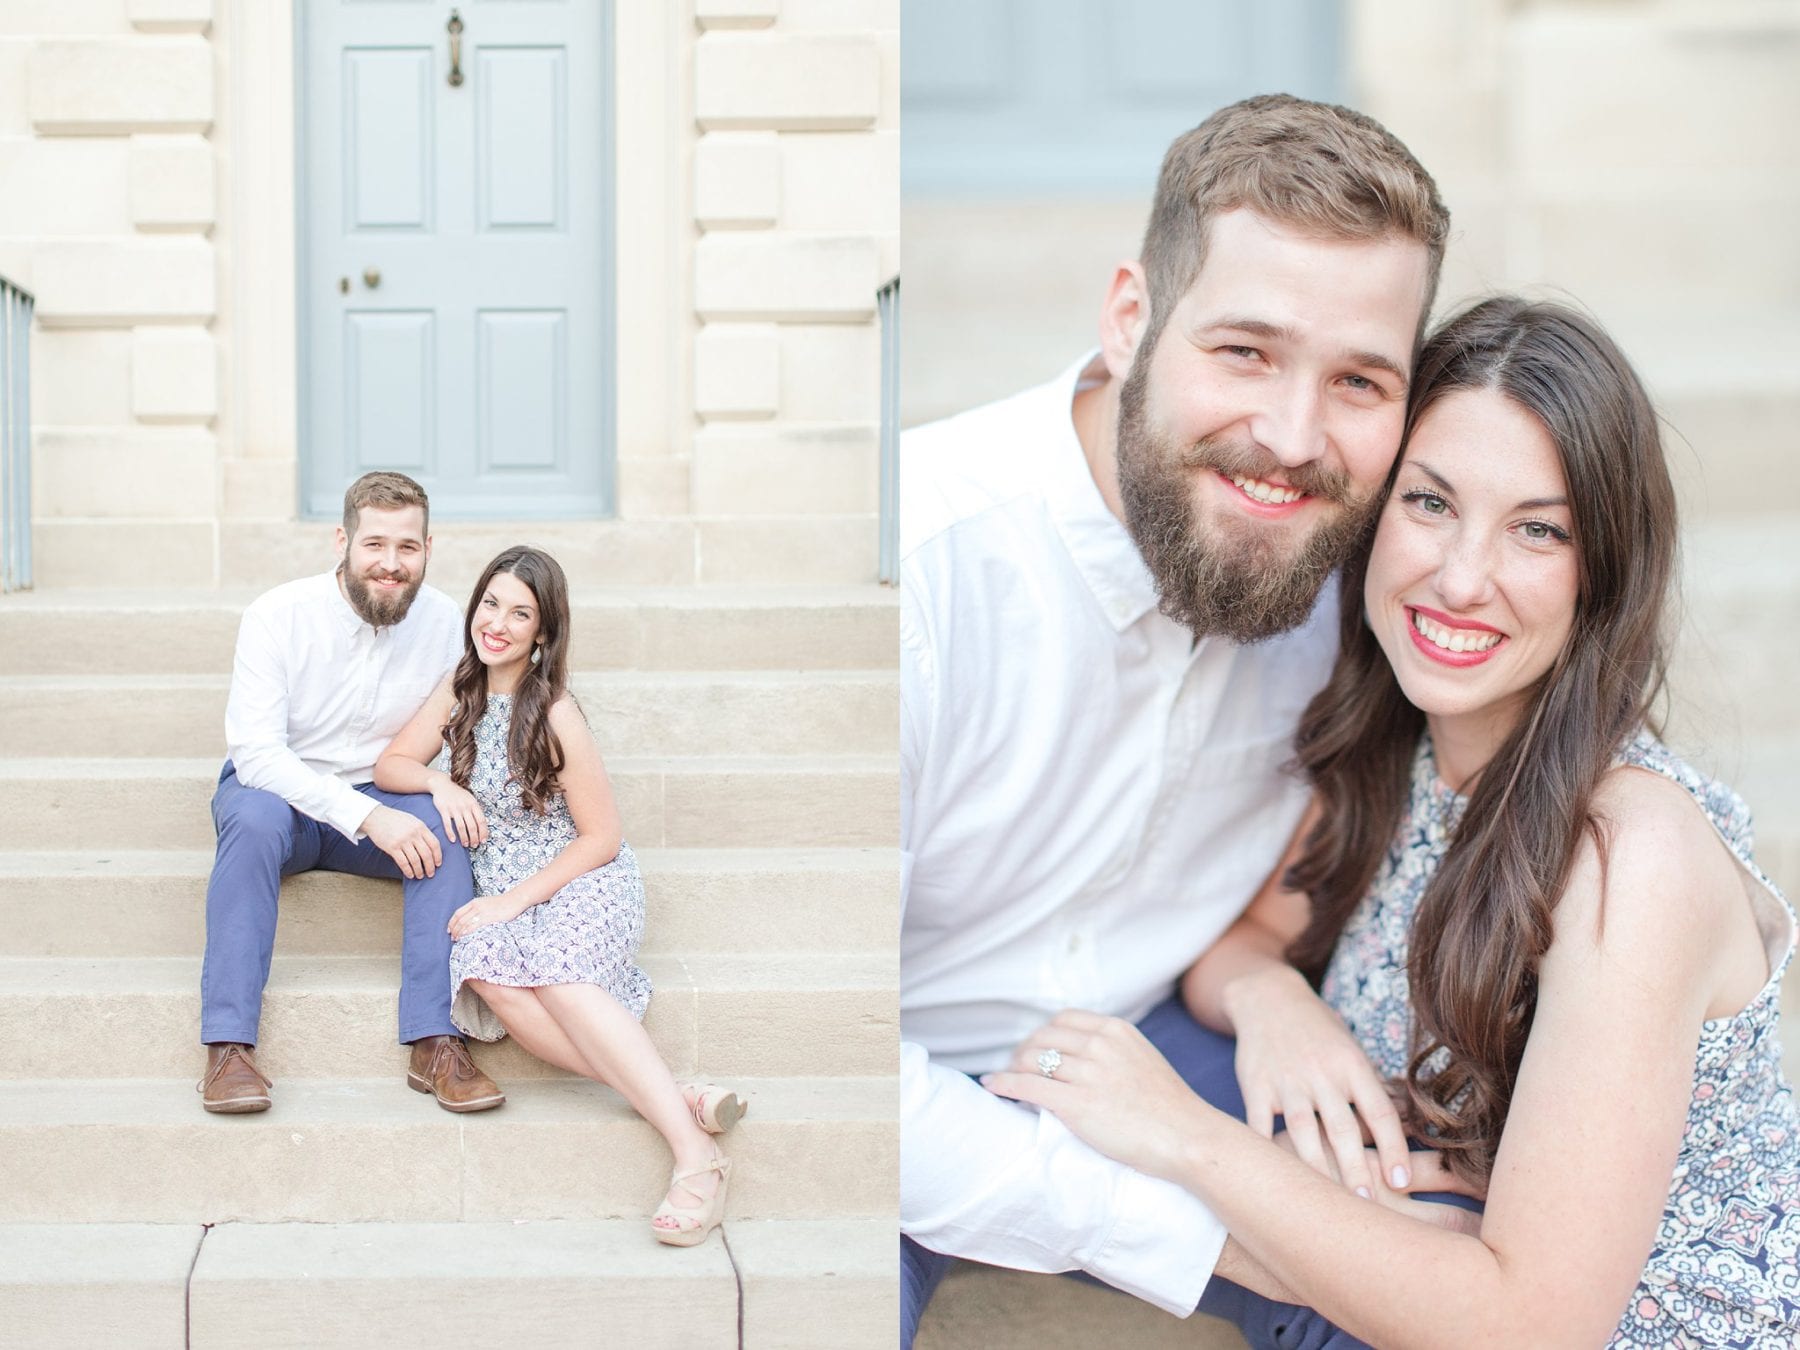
(1048, 1062)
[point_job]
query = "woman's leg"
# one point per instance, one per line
(529, 1023)
(620, 1053)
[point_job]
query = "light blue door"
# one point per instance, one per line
(1015, 97)
(456, 264)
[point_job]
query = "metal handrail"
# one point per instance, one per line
(15, 437)
(887, 302)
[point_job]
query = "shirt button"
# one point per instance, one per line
(1075, 943)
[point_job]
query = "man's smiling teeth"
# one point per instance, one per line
(1455, 639)
(1267, 493)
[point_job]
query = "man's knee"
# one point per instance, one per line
(252, 816)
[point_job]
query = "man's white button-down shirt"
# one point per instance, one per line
(1089, 799)
(317, 693)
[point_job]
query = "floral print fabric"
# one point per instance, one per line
(1725, 1270)
(587, 933)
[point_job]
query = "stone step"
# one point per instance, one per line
(632, 713)
(153, 903)
(1016, 1310)
(355, 1151)
(198, 550)
(111, 632)
(806, 1284)
(724, 802)
(334, 1017)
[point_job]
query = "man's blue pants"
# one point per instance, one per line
(261, 840)
(1204, 1059)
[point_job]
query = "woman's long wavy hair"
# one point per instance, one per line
(532, 749)
(1486, 917)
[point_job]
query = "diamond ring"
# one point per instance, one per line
(1048, 1061)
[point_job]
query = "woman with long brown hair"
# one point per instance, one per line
(547, 948)
(1539, 943)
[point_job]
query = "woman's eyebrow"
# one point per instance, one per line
(1529, 504)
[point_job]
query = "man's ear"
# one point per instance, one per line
(340, 542)
(1124, 318)
(428, 549)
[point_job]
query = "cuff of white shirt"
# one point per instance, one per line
(349, 810)
(1163, 1244)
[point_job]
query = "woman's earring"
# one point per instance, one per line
(537, 652)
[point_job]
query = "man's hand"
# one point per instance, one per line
(1297, 1059)
(406, 840)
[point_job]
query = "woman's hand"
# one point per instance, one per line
(1297, 1059)
(464, 820)
(484, 910)
(1112, 1088)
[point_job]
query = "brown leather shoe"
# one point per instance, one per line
(441, 1066)
(233, 1085)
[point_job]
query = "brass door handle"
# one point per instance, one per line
(371, 277)
(455, 28)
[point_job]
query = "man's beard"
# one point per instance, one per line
(376, 608)
(1230, 577)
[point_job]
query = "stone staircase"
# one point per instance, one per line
(750, 734)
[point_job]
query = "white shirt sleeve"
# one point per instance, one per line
(992, 1180)
(995, 1181)
(256, 734)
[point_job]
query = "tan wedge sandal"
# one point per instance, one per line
(715, 1109)
(704, 1219)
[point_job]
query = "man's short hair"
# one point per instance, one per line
(385, 491)
(1321, 169)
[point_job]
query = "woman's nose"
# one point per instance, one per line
(1465, 578)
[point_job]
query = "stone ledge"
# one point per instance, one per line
(786, 83)
(124, 282)
(123, 474)
(172, 183)
(712, 14)
(170, 16)
(174, 375)
(786, 277)
(737, 370)
(737, 180)
(105, 87)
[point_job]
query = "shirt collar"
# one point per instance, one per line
(1099, 545)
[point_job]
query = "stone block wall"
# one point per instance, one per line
(107, 216)
(796, 196)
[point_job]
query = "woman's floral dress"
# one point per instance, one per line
(1725, 1270)
(587, 933)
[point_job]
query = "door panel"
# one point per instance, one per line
(390, 378)
(522, 364)
(456, 254)
(387, 152)
(522, 138)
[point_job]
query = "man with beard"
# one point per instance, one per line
(1111, 620)
(327, 670)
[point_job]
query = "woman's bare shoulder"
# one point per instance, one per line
(1662, 877)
